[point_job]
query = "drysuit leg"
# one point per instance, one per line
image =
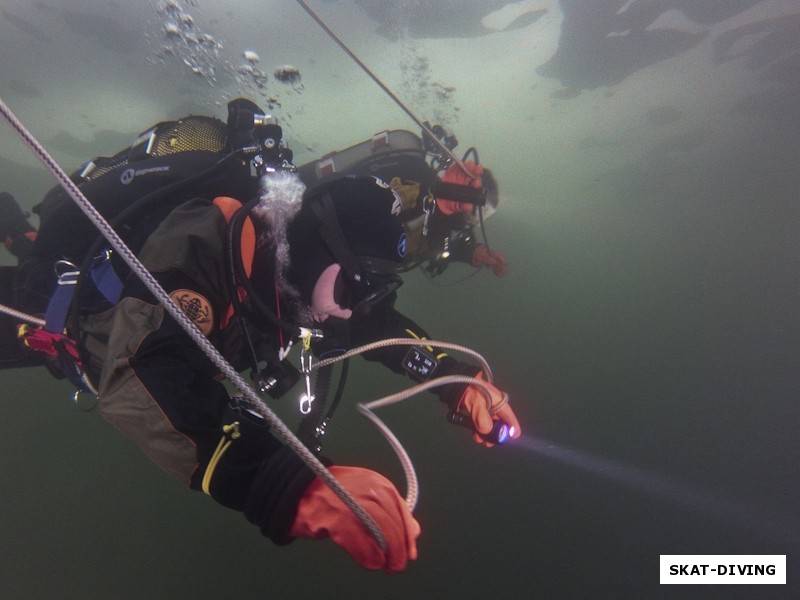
(13, 354)
(16, 233)
(18, 236)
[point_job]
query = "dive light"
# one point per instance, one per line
(501, 431)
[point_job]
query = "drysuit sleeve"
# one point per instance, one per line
(161, 390)
(420, 362)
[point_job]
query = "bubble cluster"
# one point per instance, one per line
(180, 38)
(427, 95)
(177, 37)
(288, 74)
(248, 74)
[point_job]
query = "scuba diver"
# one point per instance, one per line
(219, 217)
(442, 205)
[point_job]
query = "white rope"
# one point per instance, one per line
(408, 342)
(21, 316)
(412, 482)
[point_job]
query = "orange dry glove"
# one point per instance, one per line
(322, 514)
(454, 174)
(482, 256)
(474, 402)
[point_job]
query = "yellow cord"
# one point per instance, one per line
(230, 433)
(439, 356)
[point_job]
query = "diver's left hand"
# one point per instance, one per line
(474, 403)
(494, 259)
(322, 514)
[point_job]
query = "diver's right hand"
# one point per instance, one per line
(475, 403)
(322, 514)
(455, 175)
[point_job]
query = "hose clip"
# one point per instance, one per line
(307, 399)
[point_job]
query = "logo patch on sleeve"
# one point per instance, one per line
(196, 307)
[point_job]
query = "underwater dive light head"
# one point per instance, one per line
(501, 431)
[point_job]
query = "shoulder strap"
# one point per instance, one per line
(228, 207)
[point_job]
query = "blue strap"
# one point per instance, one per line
(104, 278)
(55, 316)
